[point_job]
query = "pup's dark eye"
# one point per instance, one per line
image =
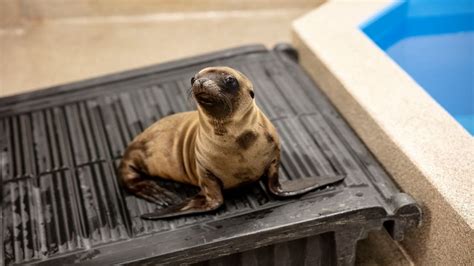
(192, 80)
(231, 82)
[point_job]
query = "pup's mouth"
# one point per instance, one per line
(206, 99)
(214, 104)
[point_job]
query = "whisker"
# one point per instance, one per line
(190, 96)
(226, 101)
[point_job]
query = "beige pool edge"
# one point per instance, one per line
(426, 151)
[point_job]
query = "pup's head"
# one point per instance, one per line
(222, 92)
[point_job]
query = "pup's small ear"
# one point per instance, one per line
(252, 94)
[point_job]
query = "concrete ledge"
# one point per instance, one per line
(427, 152)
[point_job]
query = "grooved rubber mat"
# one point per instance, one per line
(61, 201)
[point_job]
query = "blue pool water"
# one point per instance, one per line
(433, 40)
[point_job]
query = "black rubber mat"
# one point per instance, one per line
(62, 203)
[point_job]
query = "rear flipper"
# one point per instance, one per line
(292, 188)
(209, 198)
(152, 192)
(194, 205)
(138, 184)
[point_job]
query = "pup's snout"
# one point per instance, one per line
(202, 84)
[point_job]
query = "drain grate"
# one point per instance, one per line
(60, 147)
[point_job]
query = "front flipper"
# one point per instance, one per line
(292, 188)
(209, 198)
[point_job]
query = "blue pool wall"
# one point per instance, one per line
(424, 16)
(433, 41)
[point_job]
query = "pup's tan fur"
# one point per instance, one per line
(226, 143)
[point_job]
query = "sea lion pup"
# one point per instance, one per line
(226, 143)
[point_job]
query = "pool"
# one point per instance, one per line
(433, 41)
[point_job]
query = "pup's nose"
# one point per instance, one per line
(199, 82)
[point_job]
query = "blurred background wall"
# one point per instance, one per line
(15, 10)
(48, 42)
